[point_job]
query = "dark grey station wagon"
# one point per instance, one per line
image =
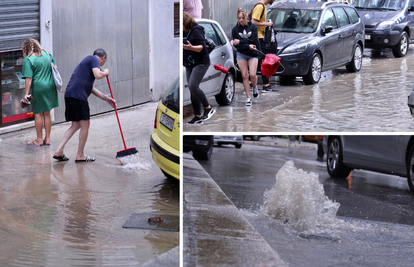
(317, 36)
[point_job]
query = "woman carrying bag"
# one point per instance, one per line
(196, 61)
(39, 80)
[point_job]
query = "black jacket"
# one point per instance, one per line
(247, 36)
(191, 58)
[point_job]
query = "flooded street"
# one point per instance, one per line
(71, 214)
(312, 219)
(373, 100)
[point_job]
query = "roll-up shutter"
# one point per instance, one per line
(19, 20)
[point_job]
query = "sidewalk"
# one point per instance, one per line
(215, 233)
(280, 142)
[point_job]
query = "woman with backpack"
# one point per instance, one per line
(196, 61)
(246, 42)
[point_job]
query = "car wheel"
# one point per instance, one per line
(226, 95)
(255, 137)
(356, 62)
(410, 169)
(315, 70)
(238, 146)
(200, 155)
(334, 163)
(167, 175)
(401, 49)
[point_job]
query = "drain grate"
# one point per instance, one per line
(151, 221)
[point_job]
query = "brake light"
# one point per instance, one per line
(155, 121)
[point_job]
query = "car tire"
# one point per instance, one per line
(226, 95)
(255, 137)
(410, 169)
(356, 62)
(334, 163)
(167, 175)
(200, 155)
(401, 49)
(238, 146)
(315, 70)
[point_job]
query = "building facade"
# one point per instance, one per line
(138, 35)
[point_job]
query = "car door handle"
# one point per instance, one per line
(223, 54)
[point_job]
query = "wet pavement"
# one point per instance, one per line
(373, 225)
(372, 100)
(66, 213)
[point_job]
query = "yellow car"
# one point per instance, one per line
(165, 141)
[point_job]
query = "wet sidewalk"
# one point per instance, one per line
(71, 214)
(215, 233)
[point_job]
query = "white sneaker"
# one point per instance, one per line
(248, 102)
(255, 92)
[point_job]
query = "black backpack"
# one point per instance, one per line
(210, 44)
(270, 40)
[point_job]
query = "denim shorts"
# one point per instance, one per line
(241, 56)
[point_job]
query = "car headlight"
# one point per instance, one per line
(296, 48)
(386, 25)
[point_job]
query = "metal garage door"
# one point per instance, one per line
(19, 20)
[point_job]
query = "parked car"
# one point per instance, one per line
(388, 24)
(314, 37)
(216, 83)
(309, 138)
(165, 141)
(200, 145)
(390, 154)
(236, 140)
(252, 137)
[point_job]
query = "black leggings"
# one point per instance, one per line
(194, 77)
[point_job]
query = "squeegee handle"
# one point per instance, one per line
(116, 112)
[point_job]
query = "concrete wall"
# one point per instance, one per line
(165, 49)
(225, 11)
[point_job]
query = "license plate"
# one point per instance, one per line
(367, 37)
(167, 121)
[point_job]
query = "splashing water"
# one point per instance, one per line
(134, 162)
(298, 200)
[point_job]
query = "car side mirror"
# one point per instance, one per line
(411, 8)
(328, 29)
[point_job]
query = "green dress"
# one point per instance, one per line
(43, 87)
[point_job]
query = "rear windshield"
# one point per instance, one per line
(171, 98)
(300, 21)
(380, 4)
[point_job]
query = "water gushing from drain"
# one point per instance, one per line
(298, 199)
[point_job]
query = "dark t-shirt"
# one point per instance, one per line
(81, 82)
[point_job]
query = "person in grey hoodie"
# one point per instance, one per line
(196, 61)
(246, 42)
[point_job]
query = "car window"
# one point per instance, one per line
(342, 16)
(353, 15)
(209, 31)
(410, 3)
(383, 4)
(171, 98)
(329, 19)
(300, 21)
(220, 35)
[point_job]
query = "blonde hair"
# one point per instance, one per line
(241, 10)
(31, 46)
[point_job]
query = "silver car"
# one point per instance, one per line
(390, 154)
(236, 140)
(216, 83)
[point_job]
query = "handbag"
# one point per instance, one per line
(56, 76)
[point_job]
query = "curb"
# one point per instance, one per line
(282, 143)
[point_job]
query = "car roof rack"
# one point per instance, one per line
(335, 2)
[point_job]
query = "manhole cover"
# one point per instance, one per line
(151, 221)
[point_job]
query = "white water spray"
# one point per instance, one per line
(134, 162)
(298, 200)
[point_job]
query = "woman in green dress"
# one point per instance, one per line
(39, 80)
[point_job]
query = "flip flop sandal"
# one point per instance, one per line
(45, 144)
(88, 159)
(61, 158)
(32, 143)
